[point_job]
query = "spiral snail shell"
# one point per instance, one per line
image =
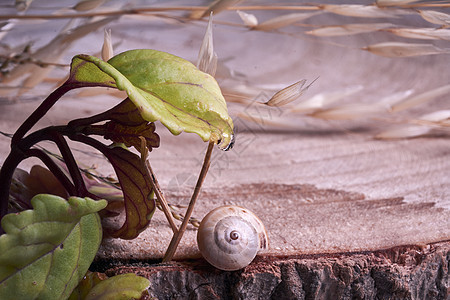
(229, 237)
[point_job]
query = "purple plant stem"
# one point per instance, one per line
(41, 111)
(54, 168)
(72, 166)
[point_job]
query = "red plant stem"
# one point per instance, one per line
(54, 168)
(176, 238)
(72, 166)
(41, 111)
(20, 150)
(6, 173)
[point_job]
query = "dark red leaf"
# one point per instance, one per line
(137, 191)
(129, 135)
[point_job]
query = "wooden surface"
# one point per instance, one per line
(316, 192)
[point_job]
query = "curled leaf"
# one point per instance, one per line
(395, 49)
(124, 286)
(163, 87)
(129, 135)
(136, 188)
(46, 251)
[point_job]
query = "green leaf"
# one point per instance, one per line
(125, 286)
(137, 192)
(163, 87)
(135, 185)
(86, 284)
(46, 251)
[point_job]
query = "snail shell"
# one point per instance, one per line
(229, 237)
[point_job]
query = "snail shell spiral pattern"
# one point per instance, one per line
(229, 237)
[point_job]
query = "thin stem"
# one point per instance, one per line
(6, 173)
(54, 168)
(40, 112)
(160, 196)
(176, 238)
(155, 185)
(72, 166)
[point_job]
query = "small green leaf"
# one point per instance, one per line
(46, 251)
(163, 87)
(125, 286)
(86, 284)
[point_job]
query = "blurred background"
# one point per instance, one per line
(372, 117)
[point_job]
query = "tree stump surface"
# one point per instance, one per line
(346, 215)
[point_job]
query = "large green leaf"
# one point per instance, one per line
(119, 287)
(163, 87)
(47, 251)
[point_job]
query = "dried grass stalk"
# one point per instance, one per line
(382, 3)
(395, 49)
(207, 58)
(22, 5)
(435, 17)
(107, 48)
(85, 5)
(350, 111)
(395, 98)
(363, 11)
(269, 120)
(283, 21)
(289, 94)
(322, 100)
(51, 52)
(215, 7)
(422, 33)
(249, 20)
(5, 27)
(348, 29)
(422, 98)
(425, 124)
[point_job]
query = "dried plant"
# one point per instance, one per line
(36, 64)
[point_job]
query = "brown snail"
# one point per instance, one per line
(229, 237)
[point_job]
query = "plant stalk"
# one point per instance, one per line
(155, 185)
(40, 112)
(176, 238)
